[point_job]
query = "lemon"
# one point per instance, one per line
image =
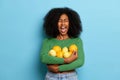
(65, 49)
(66, 55)
(52, 52)
(59, 54)
(57, 48)
(73, 47)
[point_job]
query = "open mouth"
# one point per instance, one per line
(63, 29)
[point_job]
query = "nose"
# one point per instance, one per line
(62, 23)
(62, 27)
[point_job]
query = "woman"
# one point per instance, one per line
(63, 27)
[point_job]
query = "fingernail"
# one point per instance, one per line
(74, 53)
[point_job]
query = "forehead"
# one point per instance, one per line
(64, 16)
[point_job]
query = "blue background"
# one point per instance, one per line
(21, 37)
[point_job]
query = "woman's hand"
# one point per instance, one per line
(73, 57)
(53, 67)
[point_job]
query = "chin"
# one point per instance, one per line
(63, 34)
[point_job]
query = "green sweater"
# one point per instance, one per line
(47, 59)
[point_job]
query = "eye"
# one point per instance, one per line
(59, 20)
(66, 20)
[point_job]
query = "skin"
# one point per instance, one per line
(63, 27)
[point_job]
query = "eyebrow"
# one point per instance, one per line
(64, 19)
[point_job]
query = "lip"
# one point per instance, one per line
(63, 30)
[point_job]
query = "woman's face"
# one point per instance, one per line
(63, 24)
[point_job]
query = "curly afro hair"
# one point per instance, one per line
(51, 21)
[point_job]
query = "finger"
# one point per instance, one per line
(75, 53)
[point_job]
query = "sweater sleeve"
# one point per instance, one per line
(78, 62)
(45, 57)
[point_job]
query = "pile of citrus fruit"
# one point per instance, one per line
(64, 52)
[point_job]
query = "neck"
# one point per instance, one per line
(62, 37)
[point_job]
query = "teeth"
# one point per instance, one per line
(63, 27)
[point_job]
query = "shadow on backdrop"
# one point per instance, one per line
(42, 68)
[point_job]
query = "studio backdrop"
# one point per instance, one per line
(21, 36)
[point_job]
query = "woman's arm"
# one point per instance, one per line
(78, 62)
(45, 57)
(73, 64)
(55, 67)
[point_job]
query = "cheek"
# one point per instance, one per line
(58, 24)
(68, 25)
